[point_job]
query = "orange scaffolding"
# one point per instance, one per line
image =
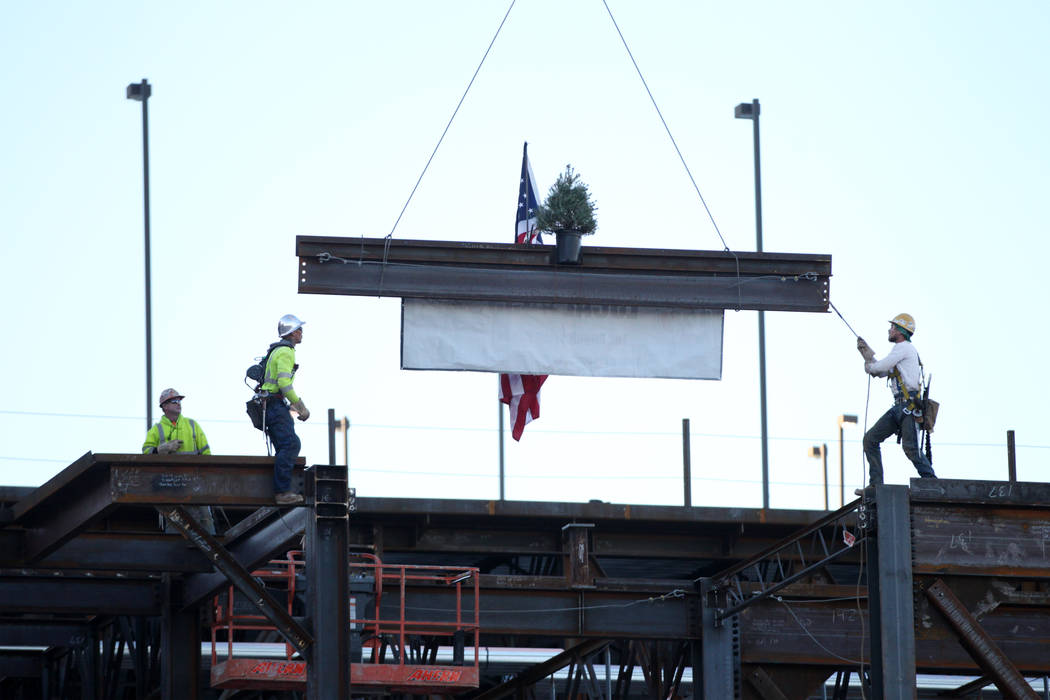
(377, 669)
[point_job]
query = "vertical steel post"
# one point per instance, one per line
(499, 405)
(719, 650)
(891, 609)
(687, 478)
(90, 670)
(180, 645)
(842, 469)
(346, 447)
(824, 454)
(331, 436)
(327, 598)
(1011, 455)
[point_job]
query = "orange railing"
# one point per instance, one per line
(375, 630)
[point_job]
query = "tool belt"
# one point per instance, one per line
(919, 405)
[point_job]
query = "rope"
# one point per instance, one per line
(810, 634)
(454, 113)
(677, 150)
(844, 320)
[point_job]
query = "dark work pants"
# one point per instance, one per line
(893, 420)
(286, 443)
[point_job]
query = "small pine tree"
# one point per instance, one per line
(568, 206)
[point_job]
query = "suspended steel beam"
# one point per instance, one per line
(497, 272)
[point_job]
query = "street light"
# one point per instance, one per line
(822, 451)
(140, 92)
(842, 420)
(751, 110)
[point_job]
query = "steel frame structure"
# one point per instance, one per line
(963, 565)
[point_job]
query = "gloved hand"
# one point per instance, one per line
(167, 448)
(865, 350)
(301, 409)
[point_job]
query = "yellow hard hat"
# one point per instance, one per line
(905, 322)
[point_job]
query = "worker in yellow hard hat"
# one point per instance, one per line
(904, 369)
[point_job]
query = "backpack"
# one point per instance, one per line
(256, 406)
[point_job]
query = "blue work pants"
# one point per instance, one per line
(286, 443)
(892, 422)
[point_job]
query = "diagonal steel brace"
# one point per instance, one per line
(977, 642)
(241, 578)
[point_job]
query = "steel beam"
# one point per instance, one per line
(537, 672)
(979, 644)
(978, 493)
(577, 549)
(133, 551)
(327, 597)
(892, 612)
(283, 531)
(95, 485)
(1001, 540)
(180, 647)
(42, 633)
(21, 664)
(240, 577)
(510, 273)
(36, 591)
(720, 673)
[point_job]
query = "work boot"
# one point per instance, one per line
(289, 498)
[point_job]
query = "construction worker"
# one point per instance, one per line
(903, 368)
(277, 381)
(175, 434)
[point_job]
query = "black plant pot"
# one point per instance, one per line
(567, 248)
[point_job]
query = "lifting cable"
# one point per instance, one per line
(442, 138)
(668, 130)
(386, 243)
(677, 150)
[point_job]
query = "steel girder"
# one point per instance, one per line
(515, 273)
(327, 597)
(95, 485)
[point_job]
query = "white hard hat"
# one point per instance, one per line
(288, 324)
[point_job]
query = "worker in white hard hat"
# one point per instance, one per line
(904, 369)
(177, 434)
(278, 376)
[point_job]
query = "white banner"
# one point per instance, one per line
(567, 339)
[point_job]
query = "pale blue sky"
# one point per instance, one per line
(907, 140)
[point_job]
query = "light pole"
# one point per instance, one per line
(842, 420)
(822, 451)
(751, 110)
(140, 92)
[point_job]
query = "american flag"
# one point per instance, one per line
(522, 391)
(525, 218)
